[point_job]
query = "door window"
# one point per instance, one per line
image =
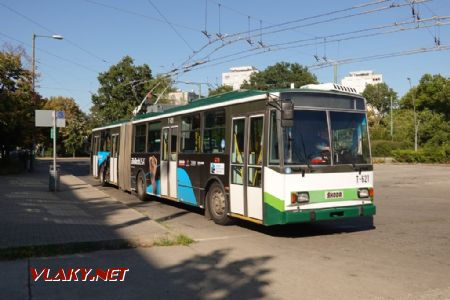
(237, 151)
(165, 143)
(173, 143)
(255, 146)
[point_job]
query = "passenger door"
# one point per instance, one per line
(246, 166)
(113, 160)
(168, 166)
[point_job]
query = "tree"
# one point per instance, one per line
(122, 88)
(432, 92)
(75, 132)
(220, 90)
(17, 102)
(379, 97)
(280, 75)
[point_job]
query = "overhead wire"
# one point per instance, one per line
(227, 41)
(123, 10)
(381, 56)
(329, 38)
(90, 53)
(271, 49)
(170, 24)
(51, 54)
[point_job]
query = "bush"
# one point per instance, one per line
(426, 155)
(384, 148)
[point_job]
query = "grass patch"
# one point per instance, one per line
(178, 240)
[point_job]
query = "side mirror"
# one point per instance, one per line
(287, 113)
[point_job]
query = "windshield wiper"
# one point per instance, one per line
(304, 152)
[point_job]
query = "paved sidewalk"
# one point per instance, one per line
(30, 215)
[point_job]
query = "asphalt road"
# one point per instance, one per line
(406, 255)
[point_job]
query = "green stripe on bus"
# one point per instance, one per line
(274, 201)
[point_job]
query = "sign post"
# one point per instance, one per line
(55, 174)
(53, 119)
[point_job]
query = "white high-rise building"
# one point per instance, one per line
(181, 97)
(359, 79)
(237, 76)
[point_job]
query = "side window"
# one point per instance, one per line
(165, 145)
(105, 141)
(154, 137)
(173, 143)
(273, 139)
(237, 151)
(139, 138)
(190, 134)
(95, 144)
(214, 132)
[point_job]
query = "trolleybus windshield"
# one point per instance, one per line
(309, 141)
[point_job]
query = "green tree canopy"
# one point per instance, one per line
(220, 90)
(280, 75)
(17, 103)
(122, 88)
(74, 134)
(432, 92)
(379, 97)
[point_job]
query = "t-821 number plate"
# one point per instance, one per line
(364, 178)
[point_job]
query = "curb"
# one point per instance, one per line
(15, 253)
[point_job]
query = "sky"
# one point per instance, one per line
(167, 34)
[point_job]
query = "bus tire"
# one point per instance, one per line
(141, 187)
(218, 205)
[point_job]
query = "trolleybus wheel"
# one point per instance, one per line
(217, 205)
(141, 187)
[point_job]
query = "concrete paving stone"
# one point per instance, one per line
(30, 215)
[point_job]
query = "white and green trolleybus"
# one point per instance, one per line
(270, 157)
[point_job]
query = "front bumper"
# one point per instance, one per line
(273, 216)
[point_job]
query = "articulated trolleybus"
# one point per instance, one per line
(277, 157)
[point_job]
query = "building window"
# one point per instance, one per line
(139, 138)
(154, 137)
(190, 134)
(214, 132)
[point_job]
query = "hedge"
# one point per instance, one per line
(426, 155)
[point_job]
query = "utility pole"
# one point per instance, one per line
(414, 112)
(392, 123)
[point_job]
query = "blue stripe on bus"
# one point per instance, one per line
(185, 192)
(102, 156)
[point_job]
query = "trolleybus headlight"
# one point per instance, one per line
(299, 197)
(363, 193)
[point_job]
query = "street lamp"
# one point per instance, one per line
(33, 75)
(414, 111)
(33, 68)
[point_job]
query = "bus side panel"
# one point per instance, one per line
(141, 162)
(125, 157)
(189, 170)
(273, 197)
(194, 173)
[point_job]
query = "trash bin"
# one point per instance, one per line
(53, 179)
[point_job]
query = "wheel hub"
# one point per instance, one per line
(218, 200)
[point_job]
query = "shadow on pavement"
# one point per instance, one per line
(161, 273)
(290, 230)
(39, 217)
